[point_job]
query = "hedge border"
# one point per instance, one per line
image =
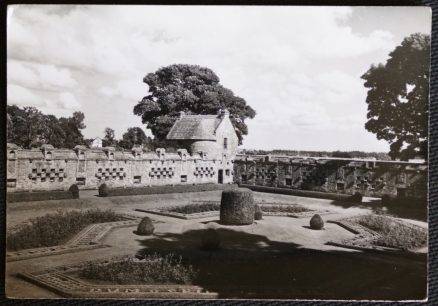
(305, 193)
(31, 196)
(105, 191)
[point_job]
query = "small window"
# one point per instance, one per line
(80, 181)
(227, 172)
(244, 178)
(137, 179)
(183, 178)
(11, 183)
(60, 179)
(288, 182)
(225, 143)
(43, 179)
(340, 186)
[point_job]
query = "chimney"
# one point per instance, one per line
(181, 114)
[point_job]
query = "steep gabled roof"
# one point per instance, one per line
(195, 127)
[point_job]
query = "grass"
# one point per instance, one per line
(56, 228)
(394, 234)
(153, 269)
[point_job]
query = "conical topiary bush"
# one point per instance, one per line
(103, 190)
(146, 227)
(316, 222)
(258, 215)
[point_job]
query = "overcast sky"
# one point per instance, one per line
(298, 67)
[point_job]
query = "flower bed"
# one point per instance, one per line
(153, 269)
(203, 209)
(54, 229)
(393, 233)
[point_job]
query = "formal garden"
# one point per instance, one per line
(229, 244)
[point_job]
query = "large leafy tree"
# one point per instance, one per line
(28, 127)
(134, 136)
(398, 98)
(73, 127)
(192, 89)
(109, 138)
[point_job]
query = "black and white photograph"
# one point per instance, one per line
(203, 152)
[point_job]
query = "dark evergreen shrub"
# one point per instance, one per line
(146, 227)
(210, 240)
(356, 197)
(237, 207)
(316, 222)
(74, 189)
(103, 190)
(258, 215)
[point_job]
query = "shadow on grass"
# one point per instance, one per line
(253, 266)
(418, 212)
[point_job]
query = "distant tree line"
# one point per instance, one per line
(134, 136)
(28, 128)
(339, 154)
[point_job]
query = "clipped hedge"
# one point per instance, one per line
(29, 196)
(305, 193)
(105, 191)
(237, 207)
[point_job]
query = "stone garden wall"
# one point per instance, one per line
(47, 168)
(370, 177)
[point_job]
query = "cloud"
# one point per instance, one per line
(22, 96)
(68, 101)
(299, 67)
(41, 76)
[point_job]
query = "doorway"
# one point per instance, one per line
(220, 177)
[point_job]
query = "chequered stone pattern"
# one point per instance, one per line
(110, 173)
(204, 171)
(47, 174)
(162, 172)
